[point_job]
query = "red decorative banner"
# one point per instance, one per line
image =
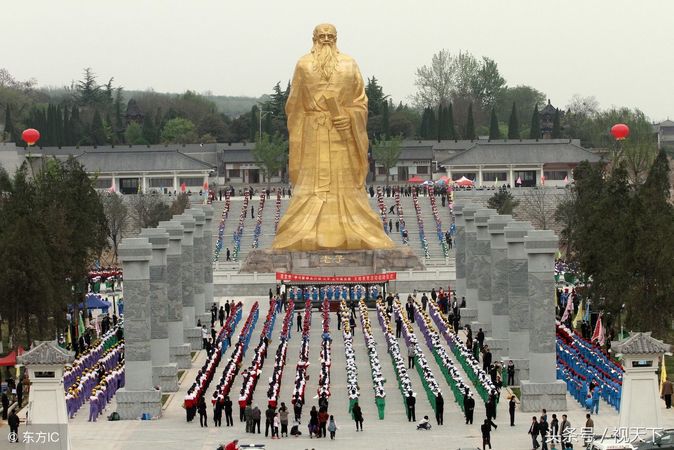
(373, 278)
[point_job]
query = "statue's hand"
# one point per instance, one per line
(342, 123)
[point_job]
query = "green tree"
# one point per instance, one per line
(526, 98)
(494, 130)
(134, 135)
(147, 210)
(87, 90)
(535, 129)
(503, 202)
(375, 96)
(470, 124)
(149, 130)
(449, 117)
(179, 131)
(387, 154)
(385, 120)
(119, 122)
(271, 154)
(98, 136)
(650, 306)
(180, 204)
(513, 124)
(556, 126)
(9, 133)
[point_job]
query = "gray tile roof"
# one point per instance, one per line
(120, 159)
(238, 156)
(46, 352)
(522, 152)
(640, 343)
(416, 152)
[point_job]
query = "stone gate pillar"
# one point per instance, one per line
(518, 299)
(200, 311)
(482, 269)
(500, 319)
(470, 236)
(192, 332)
(459, 249)
(179, 349)
(138, 395)
(164, 373)
(208, 255)
(542, 389)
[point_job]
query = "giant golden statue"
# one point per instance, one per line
(327, 119)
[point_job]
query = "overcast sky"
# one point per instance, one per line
(622, 52)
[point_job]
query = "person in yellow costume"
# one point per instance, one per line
(327, 119)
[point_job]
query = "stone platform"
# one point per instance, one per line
(332, 262)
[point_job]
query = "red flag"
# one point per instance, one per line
(598, 335)
(183, 187)
(566, 179)
(112, 187)
(519, 180)
(543, 179)
(206, 185)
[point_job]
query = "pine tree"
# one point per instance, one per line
(432, 124)
(97, 134)
(76, 127)
(149, 131)
(442, 123)
(556, 126)
(10, 132)
(470, 124)
(535, 131)
(119, 122)
(494, 131)
(253, 126)
(59, 127)
(449, 117)
(66, 126)
(385, 127)
(513, 124)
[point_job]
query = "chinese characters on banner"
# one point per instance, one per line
(373, 278)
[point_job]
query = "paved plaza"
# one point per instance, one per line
(394, 432)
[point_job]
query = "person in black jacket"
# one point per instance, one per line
(411, 402)
(269, 421)
(490, 406)
(486, 432)
(13, 422)
(217, 413)
(439, 408)
(468, 407)
(201, 408)
(511, 410)
(533, 431)
(229, 421)
(357, 416)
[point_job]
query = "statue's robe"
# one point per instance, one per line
(329, 208)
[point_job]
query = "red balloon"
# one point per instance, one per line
(620, 131)
(31, 136)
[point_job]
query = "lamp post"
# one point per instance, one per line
(262, 114)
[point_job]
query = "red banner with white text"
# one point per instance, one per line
(372, 278)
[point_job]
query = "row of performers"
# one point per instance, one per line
(313, 293)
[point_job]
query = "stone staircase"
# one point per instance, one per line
(267, 235)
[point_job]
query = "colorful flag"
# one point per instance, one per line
(569, 308)
(206, 185)
(543, 180)
(183, 187)
(519, 181)
(579, 315)
(80, 325)
(663, 373)
(566, 179)
(598, 334)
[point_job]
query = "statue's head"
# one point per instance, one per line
(324, 50)
(325, 33)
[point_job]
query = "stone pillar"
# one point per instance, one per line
(470, 236)
(208, 255)
(469, 313)
(179, 350)
(192, 332)
(482, 270)
(500, 319)
(138, 395)
(200, 311)
(542, 389)
(518, 299)
(164, 373)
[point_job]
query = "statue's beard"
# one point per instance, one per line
(325, 59)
